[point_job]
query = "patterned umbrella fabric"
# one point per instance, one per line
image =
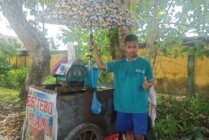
(89, 14)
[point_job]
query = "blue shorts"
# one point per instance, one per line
(136, 122)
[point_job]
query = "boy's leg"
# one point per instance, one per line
(124, 123)
(130, 135)
(141, 137)
(140, 125)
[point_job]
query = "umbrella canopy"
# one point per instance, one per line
(89, 14)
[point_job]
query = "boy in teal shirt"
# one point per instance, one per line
(132, 78)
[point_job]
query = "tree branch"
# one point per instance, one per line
(188, 41)
(182, 24)
(169, 7)
(153, 30)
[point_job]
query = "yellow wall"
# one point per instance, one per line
(201, 76)
(201, 70)
(170, 73)
(24, 61)
(170, 67)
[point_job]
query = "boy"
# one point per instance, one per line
(132, 78)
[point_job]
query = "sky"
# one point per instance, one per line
(5, 27)
(52, 31)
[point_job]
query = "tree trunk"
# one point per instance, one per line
(150, 47)
(117, 39)
(117, 51)
(123, 32)
(32, 39)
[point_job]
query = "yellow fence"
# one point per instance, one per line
(170, 73)
(24, 60)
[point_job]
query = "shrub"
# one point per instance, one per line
(181, 117)
(14, 79)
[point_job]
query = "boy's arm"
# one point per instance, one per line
(148, 80)
(99, 62)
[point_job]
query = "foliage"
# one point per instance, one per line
(4, 67)
(31, 3)
(175, 20)
(8, 48)
(50, 80)
(82, 49)
(182, 117)
(14, 79)
(81, 38)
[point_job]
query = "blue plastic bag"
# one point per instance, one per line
(96, 106)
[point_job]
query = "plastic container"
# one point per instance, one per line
(92, 76)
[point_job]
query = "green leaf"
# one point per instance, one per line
(163, 4)
(176, 53)
(184, 49)
(199, 136)
(197, 3)
(191, 51)
(178, 14)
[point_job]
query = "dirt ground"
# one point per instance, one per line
(11, 120)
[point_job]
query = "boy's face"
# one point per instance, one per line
(131, 48)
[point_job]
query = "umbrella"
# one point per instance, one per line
(89, 14)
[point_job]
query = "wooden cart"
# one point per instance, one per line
(75, 121)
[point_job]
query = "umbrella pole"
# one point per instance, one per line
(91, 49)
(91, 31)
(91, 56)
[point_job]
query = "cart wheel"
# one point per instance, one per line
(86, 131)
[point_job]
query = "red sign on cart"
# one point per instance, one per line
(41, 116)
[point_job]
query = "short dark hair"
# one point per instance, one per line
(131, 37)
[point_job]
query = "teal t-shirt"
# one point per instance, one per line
(129, 94)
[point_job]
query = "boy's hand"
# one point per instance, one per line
(93, 44)
(99, 62)
(146, 84)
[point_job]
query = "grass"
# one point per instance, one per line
(9, 95)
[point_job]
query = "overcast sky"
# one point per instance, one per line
(52, 30)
